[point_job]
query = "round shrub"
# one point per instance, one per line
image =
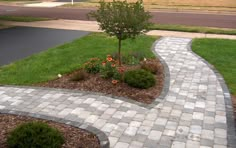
(139, 79)
(35, 135)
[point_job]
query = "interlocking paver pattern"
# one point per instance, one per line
(192, 114)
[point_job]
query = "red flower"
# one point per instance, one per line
(109, 59)
(121, 69)
(103, 63)
(113, 65)
(114, 82)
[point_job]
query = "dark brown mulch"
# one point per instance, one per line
(74, 137)
(95, 83)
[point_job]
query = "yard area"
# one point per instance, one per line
(69, 57)
(118, 88)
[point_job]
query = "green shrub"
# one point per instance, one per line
(35, 135)
(150, 65)
(117, 76)
(93, 65)
(139, 79)
(81, 75)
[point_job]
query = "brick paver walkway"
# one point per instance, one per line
(193, 114)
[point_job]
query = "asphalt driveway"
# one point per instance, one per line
(20, 42)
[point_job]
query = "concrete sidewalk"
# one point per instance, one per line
(45, 4)
(93, 26)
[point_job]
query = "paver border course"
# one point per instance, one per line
(102, 137)
(231, 126)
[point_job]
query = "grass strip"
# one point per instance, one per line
(22, 18)
(197, 29)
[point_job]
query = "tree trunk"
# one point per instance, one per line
(119, 53)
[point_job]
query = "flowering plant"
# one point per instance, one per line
(114, 82)
(108, 68)
(93, 66)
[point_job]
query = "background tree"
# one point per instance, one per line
(122, 19)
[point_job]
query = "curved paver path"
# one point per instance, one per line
(193, 113)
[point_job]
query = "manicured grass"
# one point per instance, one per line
(222, 54)
(68, 57)
(184, 28)
(22, 18)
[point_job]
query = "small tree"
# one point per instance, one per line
(122, 19)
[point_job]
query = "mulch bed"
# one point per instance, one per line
(74, 137)
(95, 83)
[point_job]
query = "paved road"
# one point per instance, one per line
(28, 41)
(211, 20)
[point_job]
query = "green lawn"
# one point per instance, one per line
(197, 29)
(68, 57)
(22, 18)
(222, 54)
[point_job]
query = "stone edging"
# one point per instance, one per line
(231, 130)
(103, 139)
(148, 106)
(166, 85)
